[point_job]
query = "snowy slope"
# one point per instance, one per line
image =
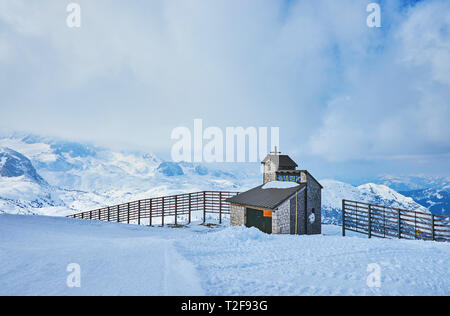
(22, 189)
(119, 259)
(14, 164)
(381, 194)
(88, 168)
(415, 182)
(21, 196)
(114, 259)
(435, 200)
(432, 192)
(335, 191)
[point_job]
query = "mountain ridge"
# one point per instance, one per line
(79, 177)
(436, 200)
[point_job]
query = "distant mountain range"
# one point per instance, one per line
(47, 176)
(432, 192)
(41, 175)
(414, 182)
(335, 191)
(435, 200)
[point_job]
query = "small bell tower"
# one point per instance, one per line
(274, 162)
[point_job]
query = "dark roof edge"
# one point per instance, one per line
(307, 172)
(257, 206)
(300, 188)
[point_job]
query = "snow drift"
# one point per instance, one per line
(120, 259)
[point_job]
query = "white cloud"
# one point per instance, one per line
(425, 40)
(399, 105)
(136, 70)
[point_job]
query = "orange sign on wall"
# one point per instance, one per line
(267, 213)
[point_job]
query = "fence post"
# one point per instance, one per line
(150, 213)
(90, 215)
(204, 207)
(109, 216)
(118, 213)
(433, 234)
(415, 225)
(128, 213)
(220, 208)
(190, 205)
(162, 220)
(82, 215)
(399, 224)
(370, 221)
(139, 212)
(176, 210)
(343, 218)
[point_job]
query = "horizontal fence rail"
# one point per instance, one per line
(389, 222)
(174, 206)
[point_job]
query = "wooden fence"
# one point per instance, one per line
(390, 222)
(174, 206)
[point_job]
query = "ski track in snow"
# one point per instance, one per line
(119, 259)
(255, 264)
(115, 259)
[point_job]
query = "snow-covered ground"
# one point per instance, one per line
(119, 259)
(114, 259)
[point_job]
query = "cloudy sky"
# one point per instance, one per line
(352, 102)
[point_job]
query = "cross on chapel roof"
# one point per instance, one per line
(276, 152)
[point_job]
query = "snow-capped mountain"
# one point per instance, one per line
(52, 177)
(81, 177)
(435, 200)
(432, 192)
(89, 168)
(335, 191)
(14, 164)
(414, 182)
(22, 189)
